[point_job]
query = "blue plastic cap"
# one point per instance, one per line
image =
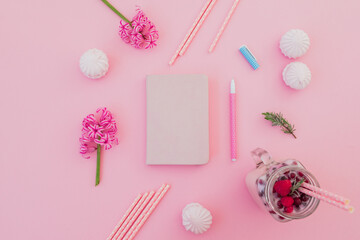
(249, 57)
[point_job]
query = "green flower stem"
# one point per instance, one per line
(116, 11)
(97, 180)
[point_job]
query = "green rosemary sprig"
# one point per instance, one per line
(296, 186)
(277, 119)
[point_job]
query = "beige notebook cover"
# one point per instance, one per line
(177, 120)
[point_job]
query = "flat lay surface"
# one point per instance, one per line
(47, 189)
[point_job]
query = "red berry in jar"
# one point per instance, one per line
(289, 209)
(297, 201)
(304, 198)
(283, 187)
(287, 201)
(283, 178)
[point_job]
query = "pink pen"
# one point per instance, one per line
(233, 120)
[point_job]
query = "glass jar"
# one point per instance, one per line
(260, 183)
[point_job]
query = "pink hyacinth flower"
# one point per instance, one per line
(140, 32)
(98, 130)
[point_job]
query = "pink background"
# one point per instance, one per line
(47, 189)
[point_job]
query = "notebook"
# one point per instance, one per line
(177, 120)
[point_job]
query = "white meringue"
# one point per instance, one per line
(294, 43)
(196, 218)
(94, 63)
(297, 75)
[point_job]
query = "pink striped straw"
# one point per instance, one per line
(158, 192)
(326, 193)
(189, 32)
(328, 200)
(124, 217)
(225, 23)
(148, 213)
(136, 215)
(142, 199)
(198, 26)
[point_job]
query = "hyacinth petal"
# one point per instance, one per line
(85, 149)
